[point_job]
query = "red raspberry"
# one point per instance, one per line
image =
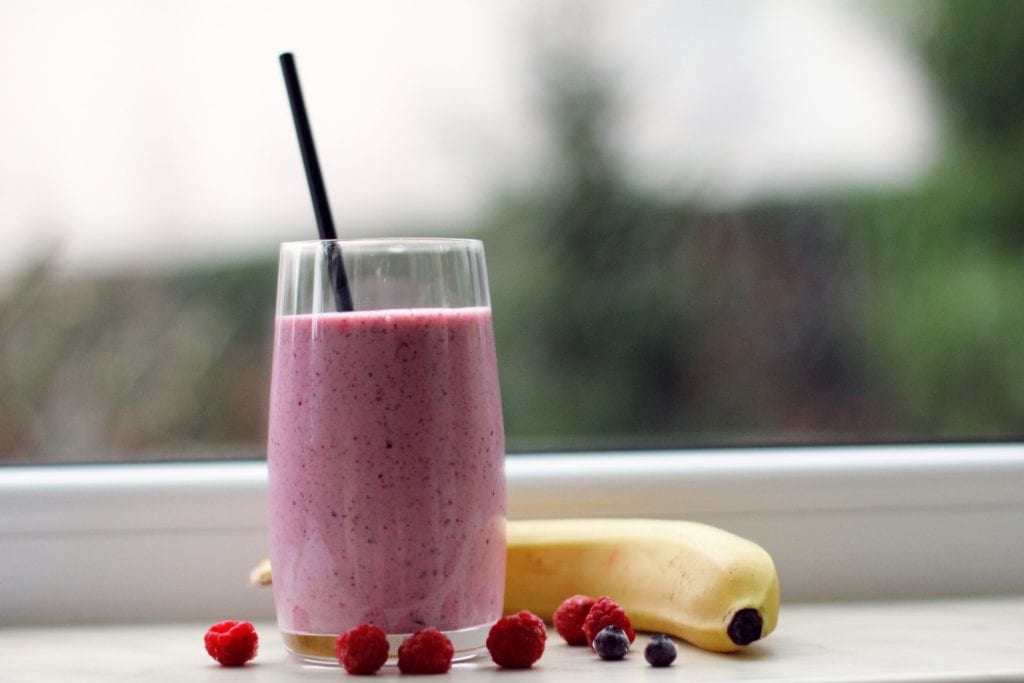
(569, 618)
(362, 650)
(606, 612)
(428, 651)
(232, 643)
(517, 641)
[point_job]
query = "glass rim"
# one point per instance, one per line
(368, 242)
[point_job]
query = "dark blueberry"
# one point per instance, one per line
(611, 643)
(660, 651)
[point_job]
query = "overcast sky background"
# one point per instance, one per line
(139, 133)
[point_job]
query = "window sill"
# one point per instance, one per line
(928, 641)
(176, 541)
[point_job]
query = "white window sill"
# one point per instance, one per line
(926, 642)
(176, 541)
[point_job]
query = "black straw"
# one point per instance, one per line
(322, 210)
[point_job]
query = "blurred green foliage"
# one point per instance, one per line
(125, 366)
(626, 318)
(942, 265)
(623, 317)
(630, 319)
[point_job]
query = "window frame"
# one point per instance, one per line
(172, 541)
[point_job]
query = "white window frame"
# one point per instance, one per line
(176, 540)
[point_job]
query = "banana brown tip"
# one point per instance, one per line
(745, 626)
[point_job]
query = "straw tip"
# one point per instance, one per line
(286, 57)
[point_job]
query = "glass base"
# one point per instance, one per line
(318, 650)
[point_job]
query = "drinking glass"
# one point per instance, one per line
(386, 489)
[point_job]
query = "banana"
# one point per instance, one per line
(693, 581)
(699, 583)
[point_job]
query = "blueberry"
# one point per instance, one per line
(660, 651)
(611, 643)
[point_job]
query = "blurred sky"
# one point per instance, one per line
(141, 133)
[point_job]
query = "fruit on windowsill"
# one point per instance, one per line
(693, 581)
(699, 583)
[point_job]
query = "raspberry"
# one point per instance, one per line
(606, 612)
(660, 651)
(428, 651)
(517, 640)
(362, 650)
(569, 618)
(611, 643)
(232, 643)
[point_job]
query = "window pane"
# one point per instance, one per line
(706, 223)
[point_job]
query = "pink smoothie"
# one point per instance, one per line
(386, 490)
